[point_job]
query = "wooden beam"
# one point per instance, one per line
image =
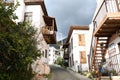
(111, 25)
(102, 35)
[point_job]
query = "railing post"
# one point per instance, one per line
(117, 62)
(95, 25)
(117, 4)
(106, 5)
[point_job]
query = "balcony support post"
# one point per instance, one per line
(106, 5)
(117, 4)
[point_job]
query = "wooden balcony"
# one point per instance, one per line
(109, 25)
(49, 31)
(107, 19)
(49, 35)
(106, 23)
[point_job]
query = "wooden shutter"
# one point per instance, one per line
(83, 57)
(81, 38)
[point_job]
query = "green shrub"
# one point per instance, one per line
(59, 61)
(17, 46)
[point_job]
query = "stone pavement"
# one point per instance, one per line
(78, 75)
(60, 73)
(39, 77)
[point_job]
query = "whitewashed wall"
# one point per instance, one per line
(40, 65)
(51, 55)
(37, 15)
(20, 10)
(76, 49)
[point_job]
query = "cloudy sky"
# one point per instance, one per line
(70, 12)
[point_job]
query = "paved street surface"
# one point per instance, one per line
(59, 73)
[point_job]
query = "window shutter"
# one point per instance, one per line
(81, 40)
(83, 57)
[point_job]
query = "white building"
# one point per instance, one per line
(53, 55)
(77, 48)
(34, 12)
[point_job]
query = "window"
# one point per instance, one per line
(72, 60)
(45, 53)
(82, 57)
(81, 38)
(28, 17)
(72, 43)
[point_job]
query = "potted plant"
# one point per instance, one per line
(95, 73)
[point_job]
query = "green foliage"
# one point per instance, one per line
(59, 61)
(114, 73)
(17, 46)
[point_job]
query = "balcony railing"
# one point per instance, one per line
(48, 30)
(115, 62)
(49, 34)
(108, 6)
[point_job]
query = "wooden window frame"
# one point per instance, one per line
(28, 17)
(81, 39)
(83, 58)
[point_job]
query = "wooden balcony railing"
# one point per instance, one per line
(49, 35)
(115, 62)
(48, 30)
(108, 6)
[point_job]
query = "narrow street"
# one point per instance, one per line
(59, 73)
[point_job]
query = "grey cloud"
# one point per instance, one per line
(70, 12)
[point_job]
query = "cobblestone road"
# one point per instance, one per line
(58, 73)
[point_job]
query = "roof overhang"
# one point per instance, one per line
(75, 28)
(49, 22)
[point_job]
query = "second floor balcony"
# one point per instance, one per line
(49, 35)
(107, 18)
(49, 31)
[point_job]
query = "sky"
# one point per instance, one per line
(70, 12)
